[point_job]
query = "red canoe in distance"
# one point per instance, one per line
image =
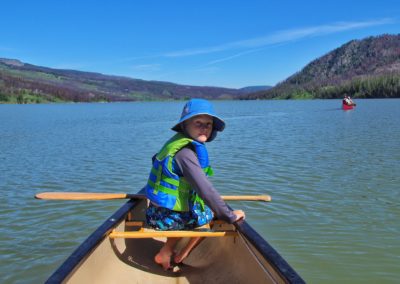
(347, 107)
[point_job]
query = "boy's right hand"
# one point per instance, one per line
(239, 215)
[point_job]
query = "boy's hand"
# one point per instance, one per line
(239, 215)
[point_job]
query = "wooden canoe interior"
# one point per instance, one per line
(215, 260)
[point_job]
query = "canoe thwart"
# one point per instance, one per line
(134, 223)
(170, 234)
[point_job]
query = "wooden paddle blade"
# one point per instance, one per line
(82, 196)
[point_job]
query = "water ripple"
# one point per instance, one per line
(333, 177)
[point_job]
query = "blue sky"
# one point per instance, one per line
(205, 43)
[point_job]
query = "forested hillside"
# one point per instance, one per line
(368, 68)
(26, 83)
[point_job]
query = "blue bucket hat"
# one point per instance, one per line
(197, 107)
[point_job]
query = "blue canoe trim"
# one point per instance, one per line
(90, 243)
(269, 253)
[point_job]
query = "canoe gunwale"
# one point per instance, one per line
(269, 253)
(90, 243)
(255, 239)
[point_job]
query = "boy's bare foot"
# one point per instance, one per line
(163, 257)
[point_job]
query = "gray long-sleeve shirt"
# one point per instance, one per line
(190, 168)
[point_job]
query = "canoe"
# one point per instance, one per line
(347, 107)
(121, 250)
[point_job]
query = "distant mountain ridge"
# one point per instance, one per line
(252, 89)
(31, 83)
(368, 68)
(360, 68)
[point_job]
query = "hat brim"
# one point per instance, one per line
(218, 123)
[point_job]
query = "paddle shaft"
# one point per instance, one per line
(110, 196)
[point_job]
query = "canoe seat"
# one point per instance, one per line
(218, 223)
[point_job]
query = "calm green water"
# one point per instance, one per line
(333, 175)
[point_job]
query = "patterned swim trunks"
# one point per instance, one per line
(164, 219)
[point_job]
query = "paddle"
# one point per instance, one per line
(109, 196)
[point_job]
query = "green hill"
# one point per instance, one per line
(368, 68)
(26, 83)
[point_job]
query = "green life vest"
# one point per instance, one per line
(167, 188)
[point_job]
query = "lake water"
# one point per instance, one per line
(333, 175)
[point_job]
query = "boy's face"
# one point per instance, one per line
(199, 127)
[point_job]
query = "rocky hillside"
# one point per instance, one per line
(361, 68)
